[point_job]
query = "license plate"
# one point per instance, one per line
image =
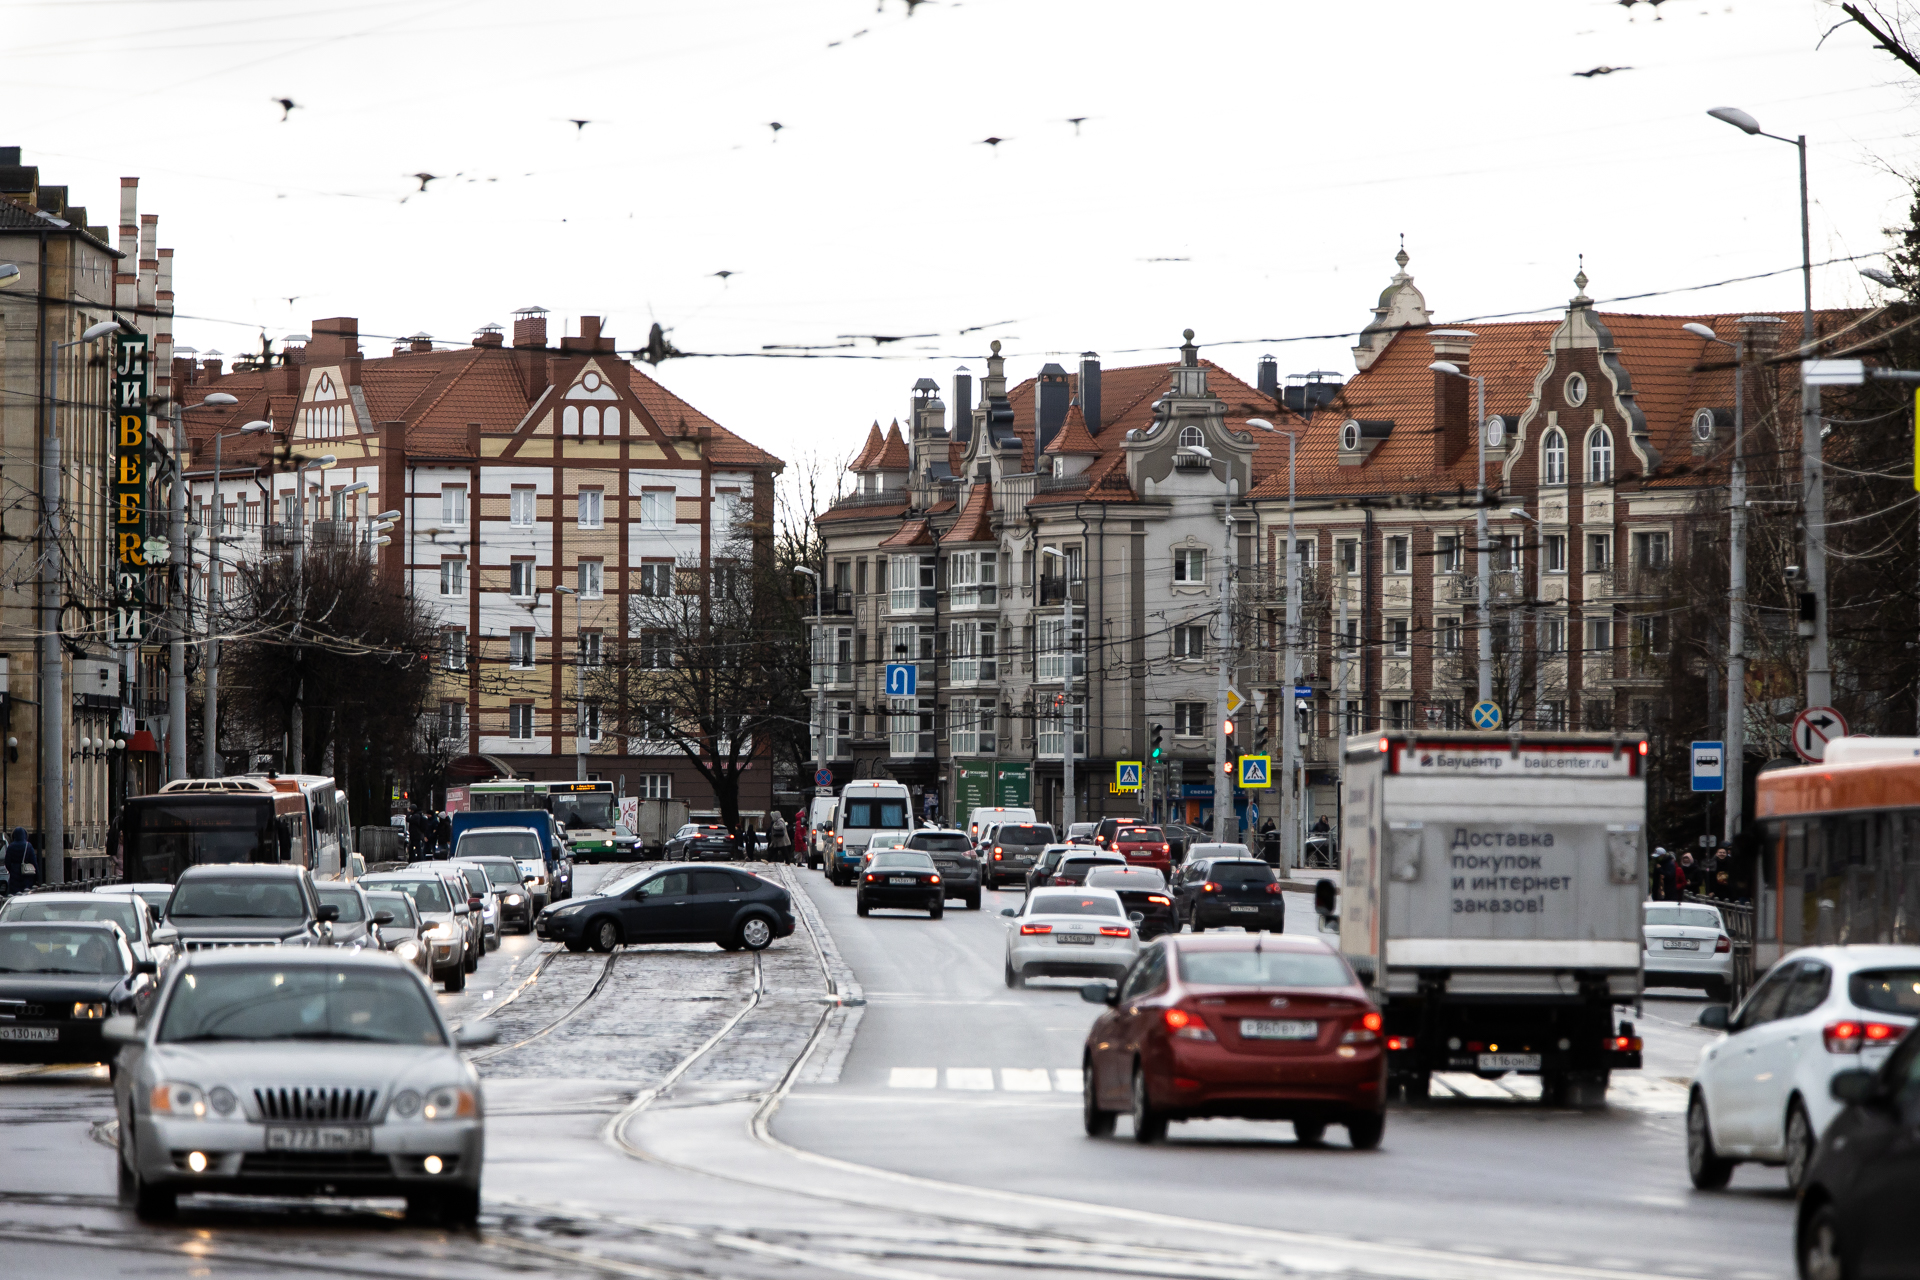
(1249, 909)
(1509, 1062)
(340, 1138)
(1679, 944)
(1081, 939)
(1278, 1029)
(901, 880)
(29, 1033)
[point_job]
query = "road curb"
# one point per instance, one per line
(830, 1049)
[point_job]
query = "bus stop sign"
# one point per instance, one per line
(1709, 766)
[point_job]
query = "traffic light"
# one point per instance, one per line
(1154, 751)
(1227, 725)
(1260, 735)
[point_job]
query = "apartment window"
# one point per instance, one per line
(453, 504)
(1076, 566)
(453, 719)
(654, 786)
(1652, 550)
(1507, 555)
(1050, 725)
(1553, 634)
(1026, 568)
(1347, 554)
(1399, 715)
(591, 508)
(1446, 553)
(520, 578)
(1190, 720)
(1051, 648)
(910, 726)
(453, 575)
(1650, 634)
(970, 650)
(1600, 456)
(1449, 629)
(971, 578)
(453, 649)
(589, 725)
(1599, 552)
(588, 582)
(656, 721)
(860, 577)
(910, 583)
(520, 511)
(520, 721)
(1399, 554)
(656, 508)
(520, 648)
(656, 651)
(971, 726)
(1553, 457)
(1190, 565)
(843, 576)
(1397, 636)
(590, 648)
(1599, 634)
(1190, 641)
(1554, 547)
(656, 578)
(1599, 715)
(289, 511)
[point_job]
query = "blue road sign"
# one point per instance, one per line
(1255, 771)
(1709, 766)
(1126, 775)
(903, 679)
(1303, 691)
(823, 778)
(1486, 715)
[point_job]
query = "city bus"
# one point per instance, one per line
(1842, 841)
(193, 821)
(587, 809)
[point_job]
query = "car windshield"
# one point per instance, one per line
(1081, 866)
(427, 895)
(398, 903)
(1025, 833)
(1886, 991)
(236, 898)
(347, 900)
(1692, 917)
(1263, 969)
(620, 831)
(301, 1002)
(506, 873)
(1240, 874)
(942, 842)
(1133, 879)
(902, 860)
(122, 911)
(1072, 904)
(1134, 835)
(43, 950)
(504, 844)
(156, 898)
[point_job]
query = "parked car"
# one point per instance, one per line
(954, 857)
(516, 903)
(59, 982)
(1143, 892)
(136, 919)
(385, 1104)
(1270, 1029)
(1073, 868)
(1041, 872)
(241, 904)
(1214, 893)
(443, 918)
(1014, 847)
(481, 898)
(706, 841)
(700, 903)
(1763, 1091)
(403, 932)
(1069, 933)
(1143, 846)
(1855, 1215)
(900, 878)
(353, 922)
(1688, 946)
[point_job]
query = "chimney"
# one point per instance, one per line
(210, 367)
(183, 368)
(293, 348)
(962, 404)
(487, 335)
(419, 343)
(1453, 397)
(1050, 400)
(530, 327)
(590, 339)
(1090, 390)
(335, 339)
(1267, 381)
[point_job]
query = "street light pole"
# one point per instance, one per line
(297, 720)
(819, 675)
(1066, 691)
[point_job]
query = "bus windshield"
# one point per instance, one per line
(585, 810)
(166, 836)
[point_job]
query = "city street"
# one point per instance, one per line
(687, 1110)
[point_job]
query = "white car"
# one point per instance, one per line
(1760, 1092)
(885, 840)
(1069, 933)
(1688, 946)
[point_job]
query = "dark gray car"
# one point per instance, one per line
(1016, 847)
(232, 904)
(959, 864)
(353, 927)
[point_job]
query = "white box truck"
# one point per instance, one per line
(1490, 896)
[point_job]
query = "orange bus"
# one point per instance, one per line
(192, 821)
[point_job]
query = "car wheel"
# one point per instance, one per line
(1014, 979)
(605, 935)
(1193, 921)
(470, 960)
(937, 910)
(1099, 1123)
(1149, 1123)
(755, 933)
(973, 900)
(1365, 1131)
(1821, 1254)
(1720, 992)
(576, 944)
(1709, 1170)
(860, 906)
(148, 1202)
(1309, 1133)
(1800, 1145)
(456, 981)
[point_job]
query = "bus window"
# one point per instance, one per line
(164, 838)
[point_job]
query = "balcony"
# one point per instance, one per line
(973, 671)
(1063, 484)
(885, 498)
(1054, 591)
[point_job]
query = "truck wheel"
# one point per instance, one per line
(1705, 1166)
(1365, 1131)
(1420, 1086)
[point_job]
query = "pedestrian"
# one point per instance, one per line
(1270, 842)
(23, 864)
(799, 833)
(777, 836)
(1683, 877)
(1661, 881)
(443, 831)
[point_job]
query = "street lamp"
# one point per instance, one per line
(1066, 683)
(1879, 277)
(1485, 567)
(819, 673)
(1812, 483)
(210, 755)
(1290, 722)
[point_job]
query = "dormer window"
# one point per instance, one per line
(1359, 437)
(1576, 389)
(1192, 438)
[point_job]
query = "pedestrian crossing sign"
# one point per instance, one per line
(1126, 775)
(1256, 771)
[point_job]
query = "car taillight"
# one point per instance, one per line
(1187, 1026)
(1725, 944)
(1036, 928)
(1113, 931)
(1397, 1043)
(996, 851)
(1372, 1021)
(1210, 887)
(1166, 848)
(841, 841)
(1274, 887)
(1158, 900)
(1061, 880)
(1846, 1036)
(871, 879)
(1624, 1044)
(933, 880)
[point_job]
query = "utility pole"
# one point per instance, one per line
(1222, 791)
(176, 602)
(1813, 483)
(53, 693)
(1485, 588)
(1066, 688)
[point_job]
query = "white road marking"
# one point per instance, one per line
(970, 1078)
(1066, 1079)
(913, 1078)
(1467, 1085)
(1026, 1080)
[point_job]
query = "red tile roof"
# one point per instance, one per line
(1073, 436)
(976, 518)
(863, 461)
(914, 533)
(894, 456)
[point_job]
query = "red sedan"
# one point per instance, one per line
(1263, 1027)
(1144, 847)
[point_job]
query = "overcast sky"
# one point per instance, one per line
(1245, 168)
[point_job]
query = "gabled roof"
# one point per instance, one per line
(976, 518)
(914, 533)
(1073, 436)
(893, 456)
(863, 461)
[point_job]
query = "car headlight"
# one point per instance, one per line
(513, 899)
(449, 1102)
(90, 1009)
(407, 949)
(180, 1101)
(442, 933)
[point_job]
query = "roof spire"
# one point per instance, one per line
(1580, 281)
(1401, 257)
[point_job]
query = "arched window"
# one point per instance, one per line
(569, 421)
(590, 421)
(1600, 456)
(1191, 438)
(610, 421)
(1553, 458)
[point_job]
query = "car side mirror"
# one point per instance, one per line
(120, 1029)
(473, 904)
(1136, 916)
(462, 909)
(1100, 993)
(1854, 1085)
(146, 966)
(1008, 911)
(166, 935)
(1713, 1017)
(476, 1036)
(327, 913)
(383, 917)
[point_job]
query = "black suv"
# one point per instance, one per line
(952, 852)
(238, 904)
(1016, 847)
(1224, 892)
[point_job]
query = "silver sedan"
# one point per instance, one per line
(1069, 933)
(298, 1072)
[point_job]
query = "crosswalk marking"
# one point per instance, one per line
(969, 1077)
(913, 1078)
(1026, 1080)
(1066, 1079)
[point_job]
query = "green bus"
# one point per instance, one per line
(588, 810)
